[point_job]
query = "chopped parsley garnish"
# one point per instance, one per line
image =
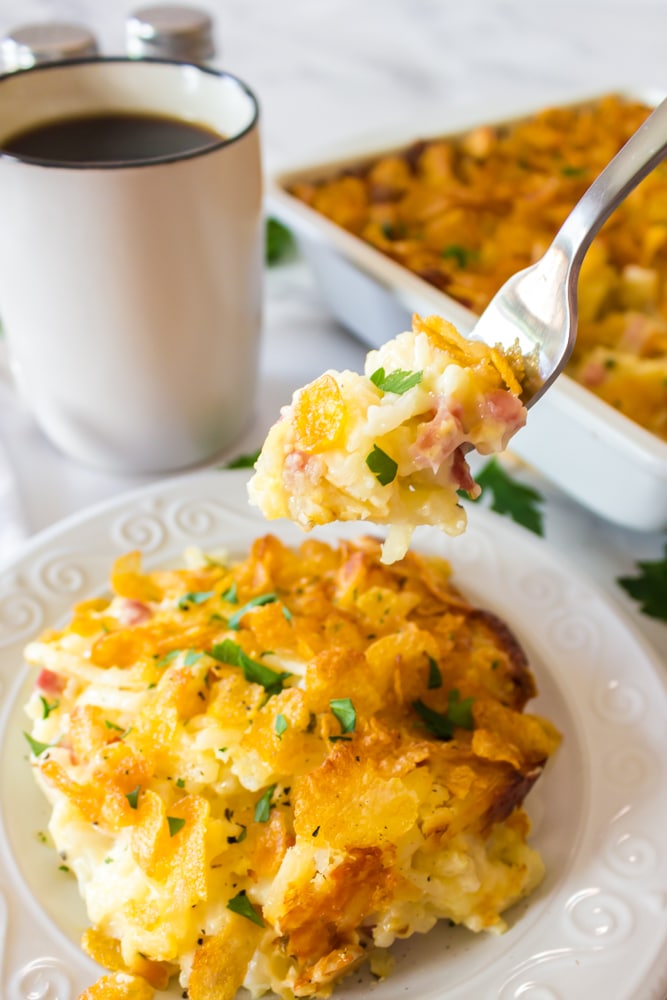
(180, 782)
(434, 675)
(246, 461)
(253, 671)
(63, 868)
(383, 467)
(649, 587)
(345, 712)
(191, 657)
(570, 171)
(194, 597)
(36, 747)
(459, 253)
(239, 836)
(263, 805)
(280, 725)
(231, 594)
(241, 904)
(510, 497)
(459, 713)
(165, 660)
(279, 242)
(175, 824)
(112, 725)
(48, 707)
(287, 614)
(255, 602)
(397, 382)
(133, 797)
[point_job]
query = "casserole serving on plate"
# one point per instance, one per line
(437, 225)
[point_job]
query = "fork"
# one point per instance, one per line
(538, 306)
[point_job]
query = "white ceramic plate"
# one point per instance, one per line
(598, 924)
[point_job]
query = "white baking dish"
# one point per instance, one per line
(606, 461)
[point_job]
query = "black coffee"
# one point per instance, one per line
(110, 138)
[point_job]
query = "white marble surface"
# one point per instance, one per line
(326, 73)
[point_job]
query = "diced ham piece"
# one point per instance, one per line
(461, 474)
(593, 373)
(49, 682)
(506, 409)
(437, 439)
(638, 332)
(133, 612)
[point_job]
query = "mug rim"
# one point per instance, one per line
(139, 162)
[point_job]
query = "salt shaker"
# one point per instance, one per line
(50, 41)
(172, 32)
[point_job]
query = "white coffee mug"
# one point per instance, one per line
(130, 291)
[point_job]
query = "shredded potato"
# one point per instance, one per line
(389, 446)
(466, 213)
(325, 754)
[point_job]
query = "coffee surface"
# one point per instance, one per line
(109, 138)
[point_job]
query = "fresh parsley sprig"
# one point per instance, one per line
(442, 724)
(255, 602)
(649, 587)
(241, 904)
(382, 465)
(246, 461)
(254, 672)
(279, 242)
(397, 382)
(518, 501)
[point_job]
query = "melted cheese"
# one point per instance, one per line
(280, 760)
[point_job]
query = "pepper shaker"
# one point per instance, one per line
(51, 41)
(172, 32)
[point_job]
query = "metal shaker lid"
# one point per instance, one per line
(31, 44)
(171, 31)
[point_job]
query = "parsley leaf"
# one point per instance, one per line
(510, 497)
(168, 657)
(191, 657)
(459, 713)
(195, 597)
(133, 797)
(279, 242)
(36, 747)
(253, 671)
(649, 587)
(434, 675)
(246, 461)
(263, 805)
(459, 253)
(397, 382)
(280, 725)
(241, 904)
(112, 725)
(231, 594)
(345, 712)
(459, 710)
(176, 823)
(383, 467)
(48, 707)
(255, 602)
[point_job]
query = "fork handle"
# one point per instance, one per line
(637, 158)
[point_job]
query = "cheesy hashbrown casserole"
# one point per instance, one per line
(264, 772)
(389, 446)
(466, 212)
